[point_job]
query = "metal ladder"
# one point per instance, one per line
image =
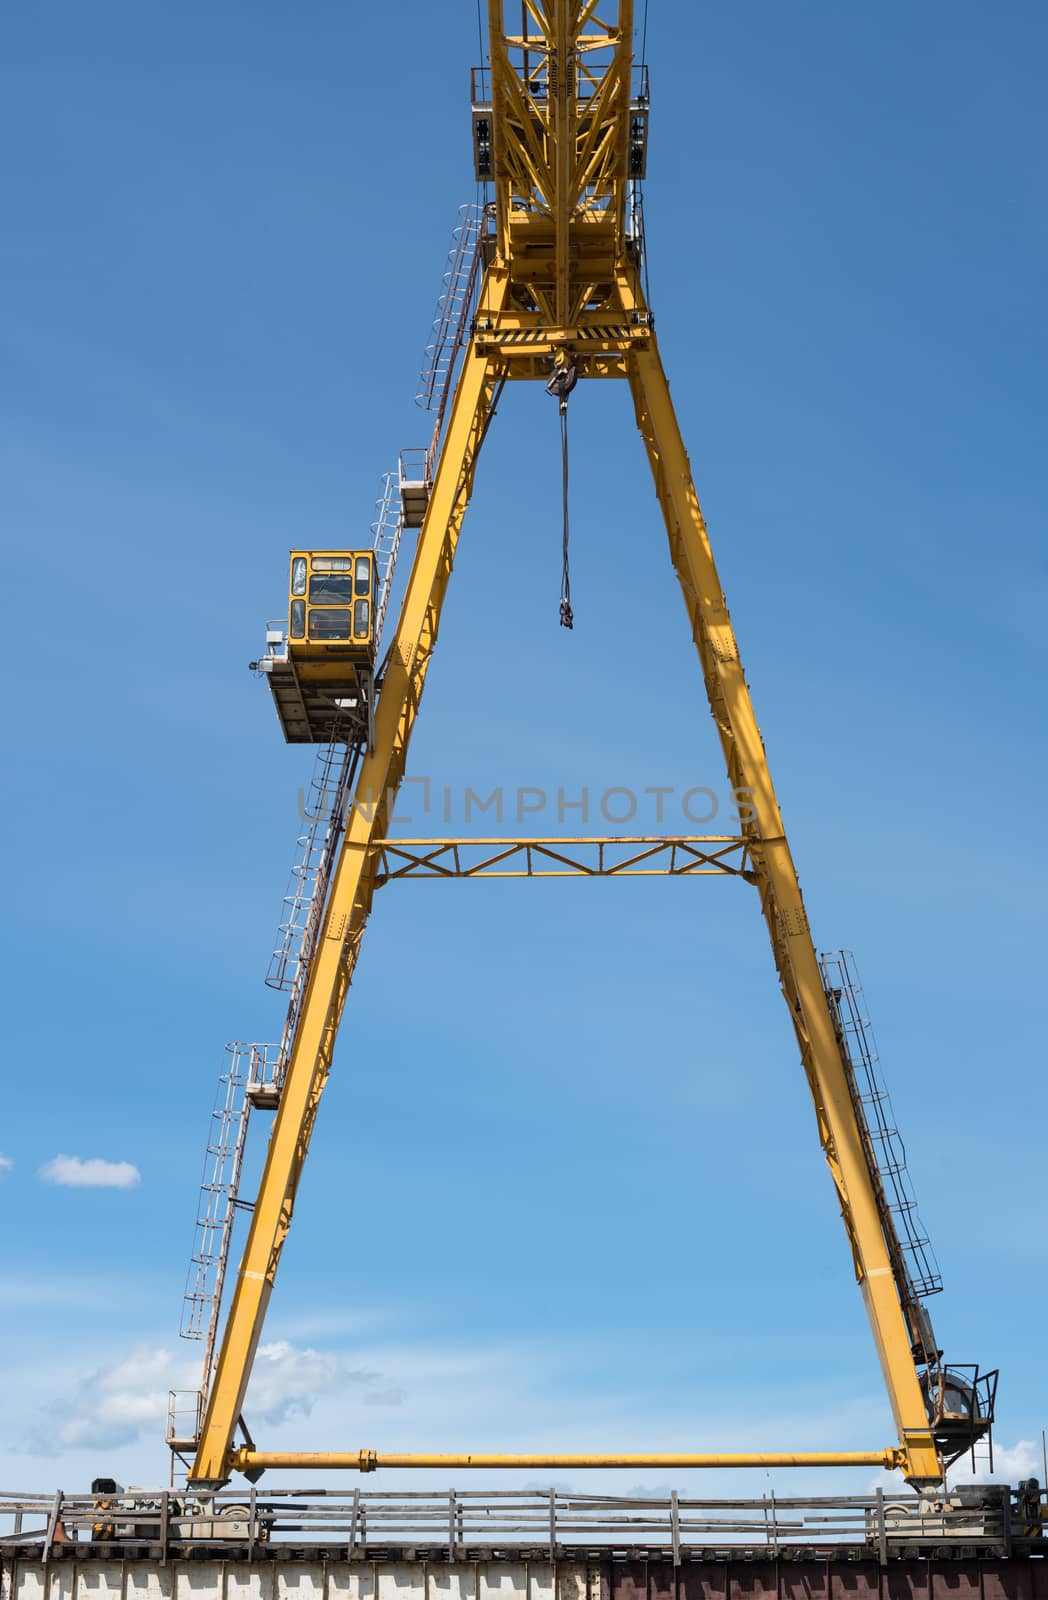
(386, 532)
(322, 811)
(334, 776)
(841, 980)
(249, 1079)
(454, 308)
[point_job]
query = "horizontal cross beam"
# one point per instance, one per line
(373, 1460)
(722, 855)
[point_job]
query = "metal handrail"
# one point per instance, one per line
(503, 1519)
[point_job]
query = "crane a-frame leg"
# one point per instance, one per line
(349, 902)
(353, 884)
(781, 901)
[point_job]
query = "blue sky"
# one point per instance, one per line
(565, 1190)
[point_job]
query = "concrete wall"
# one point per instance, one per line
(69, 1578)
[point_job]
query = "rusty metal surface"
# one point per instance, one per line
(787, 1578)
(908, 1578)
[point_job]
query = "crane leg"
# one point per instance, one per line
(349, 902)
(781, 903)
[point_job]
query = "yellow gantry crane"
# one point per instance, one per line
(560, 127)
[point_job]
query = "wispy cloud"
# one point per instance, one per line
(1010, 1463)
(287, 1381)
(5, 1164)
(75, 1173)
(126, 1400)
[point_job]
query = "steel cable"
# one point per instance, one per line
(567, 619)
(560, 386)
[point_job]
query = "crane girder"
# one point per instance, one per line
(559, 99)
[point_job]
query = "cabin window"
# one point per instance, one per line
(329, 624)
(333, 589)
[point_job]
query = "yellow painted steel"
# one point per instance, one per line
(349, 901)
(373, 1460)
(618, 856)
(564, 285)
(309, 640)
(781, 900)
(330, 643)
(560, 108)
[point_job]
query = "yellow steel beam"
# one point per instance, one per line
(565, 135)
(349, 902)
(433, 859)
(781, 899)
(560, 139)
(373, 1460)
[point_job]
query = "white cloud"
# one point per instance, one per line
(6, 1163)
(1010, 1463)
(127, 1399)
(94, 1173)
(114, 1404)
(287, 1381)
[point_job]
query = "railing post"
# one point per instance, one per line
(675, 1527)
(165, 1525)
(52, 1523)
(882, 1531)
(451, 1524)
(553, 1524)
(353, 1523)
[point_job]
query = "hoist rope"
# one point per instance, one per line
(567, 620)
(564, 379)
